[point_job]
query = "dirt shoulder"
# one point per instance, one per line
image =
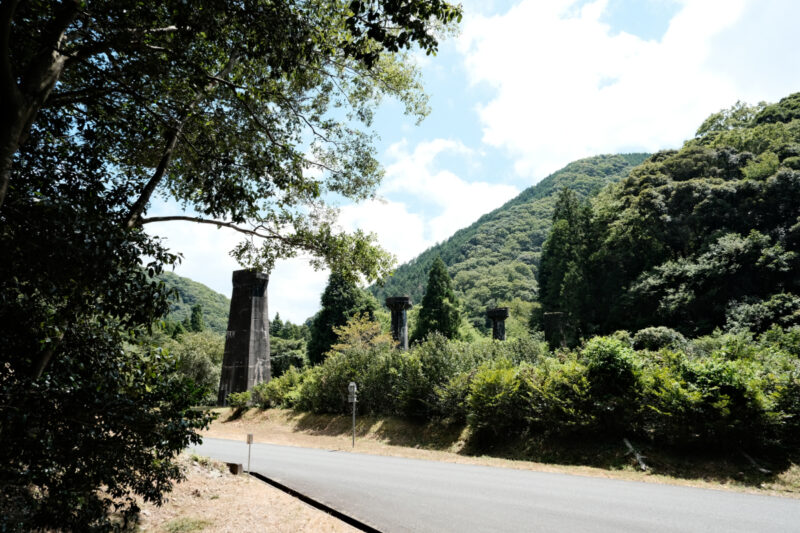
(396, 437)
(213, 500)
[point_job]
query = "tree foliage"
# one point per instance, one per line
(700, 237)
(341, 300)
(196, 319)
(440, 308)
(190, 293)
(248, 115)
(563, 270)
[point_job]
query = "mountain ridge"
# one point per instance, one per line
(494, 259)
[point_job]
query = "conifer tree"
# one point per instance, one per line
(439, 310)
(276, 327)
(196, 321)
(563, 270)
(341, 300)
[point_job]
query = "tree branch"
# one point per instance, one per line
(20, 104)
(172, 141)
(218, 223)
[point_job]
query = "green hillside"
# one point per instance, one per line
(695, 239)
(494, 260)
(215, 305)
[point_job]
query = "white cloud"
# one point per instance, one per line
(568, 86)
(457, 202)
(398, 231)
(294, 286)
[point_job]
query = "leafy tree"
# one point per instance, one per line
(698, 238)
(439, 311)
(199, 356)
(341, 300)
(196, 319)
(177, 330)
(247, 114)
(361, 333)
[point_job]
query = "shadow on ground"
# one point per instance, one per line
(775, 469)
(389, 430)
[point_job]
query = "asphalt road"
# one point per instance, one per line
(396, 494)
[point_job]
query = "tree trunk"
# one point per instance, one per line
(21, 102)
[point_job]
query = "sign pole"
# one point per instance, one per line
(249, 448)
(352, 389)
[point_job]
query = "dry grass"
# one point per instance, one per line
(212, 500)
(396, 437)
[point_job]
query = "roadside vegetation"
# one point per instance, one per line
(720, 395)
(667, 314)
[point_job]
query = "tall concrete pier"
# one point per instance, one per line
(498, 316)
(398, 305)
(246, 359)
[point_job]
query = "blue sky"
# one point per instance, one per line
(525, 88)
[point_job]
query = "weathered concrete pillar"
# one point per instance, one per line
(554, 334)
(498, 316)
(398, 306)
(246, 359)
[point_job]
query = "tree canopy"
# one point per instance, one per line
(341, 300)
(250, 115)
(698, 238)
(440, 307)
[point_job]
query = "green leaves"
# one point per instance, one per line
(440, 311)
(341, 300)
(694, 238)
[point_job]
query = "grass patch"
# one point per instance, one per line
(186, 525)
(200, 459)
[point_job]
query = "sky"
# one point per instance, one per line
(525, 88)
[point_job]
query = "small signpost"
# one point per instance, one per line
(352, 389)
(249, 447)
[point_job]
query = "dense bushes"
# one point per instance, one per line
(726, 390)
(655, 338)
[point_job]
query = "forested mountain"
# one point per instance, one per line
(695, 239)
(494, 260)
(215, 305)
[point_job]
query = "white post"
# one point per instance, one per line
(351, 397)
(249, 447)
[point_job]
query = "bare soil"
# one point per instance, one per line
(213, 500)
(402, 438)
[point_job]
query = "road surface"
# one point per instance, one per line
(394, 494)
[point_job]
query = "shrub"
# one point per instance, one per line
(277, 391)
(497, 401)
(614, 382)
(611, 366)
(787, 340)
(560, 397)
(711, 400)
(239, 400)
(787, 406)
(731, 345)
(657, 338)
(451, 398)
